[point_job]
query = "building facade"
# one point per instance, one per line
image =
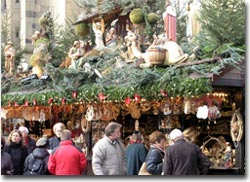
(20, 18)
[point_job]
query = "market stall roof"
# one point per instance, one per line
(230, 76)
(87, 16)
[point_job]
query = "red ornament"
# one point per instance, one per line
(163, 93)
(101, 96)
(50, 100)
(63, 101)
(127, 101)
(26, 103)
(34, 102)
(137, 98)
(74, 94)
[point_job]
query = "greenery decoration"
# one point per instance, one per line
(152, 18)
(136, 16)
(221, 48)
(82, 29)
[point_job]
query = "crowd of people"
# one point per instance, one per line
(172, 154)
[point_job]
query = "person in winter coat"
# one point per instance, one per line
(40, 152)
(155, 155)
(17, 151)
(55, 140)
(184, 158)
(67, 158)
(6, 162)
(136, 153)
(27, 140)
(109, 152)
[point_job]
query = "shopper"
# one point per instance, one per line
(6, 162)
(29, 142)
(136, 153)
(67, 159)
(184, 158)
(55, 140)
(109, 152)
(155, 155)
(17, 151)
(36, 163)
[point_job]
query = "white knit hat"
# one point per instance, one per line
(176, 133)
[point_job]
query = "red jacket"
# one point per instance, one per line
(67, 159)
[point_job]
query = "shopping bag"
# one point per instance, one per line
(143, 170)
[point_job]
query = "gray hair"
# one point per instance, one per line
(59, 125)
(65, 135)
(110, 128)
(23, 128)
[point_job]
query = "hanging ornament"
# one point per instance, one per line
(101, 96)
(16, 104)
(50, 100)
(26, 103)
(137, 98)
(127, 101)
(137, 125)
(163, 93)
(63, 101)
(74, 94)
(41, 116)
(34, 102)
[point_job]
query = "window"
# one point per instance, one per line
(34, 25)
(17, 33)
(28, 41)
(31, 14)
(4, 4)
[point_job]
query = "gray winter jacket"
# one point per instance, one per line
(109, 158)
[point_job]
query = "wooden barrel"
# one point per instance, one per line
(156, 56)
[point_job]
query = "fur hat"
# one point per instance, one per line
(176, 133)
(42, 142)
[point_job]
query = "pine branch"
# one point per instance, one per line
(199, 62)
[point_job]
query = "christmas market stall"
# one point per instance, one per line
(121, 62)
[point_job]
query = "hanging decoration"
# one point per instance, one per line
(127, 101)
(26, 103)
(63, 101)
(236, 129)
(74, 94)
(34, 102)
(137, 98)
(101, 97)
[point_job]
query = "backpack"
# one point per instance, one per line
(35, 167)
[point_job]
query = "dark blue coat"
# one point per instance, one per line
(54, 142)
(135, 156)
(41, 153)
(154, 161)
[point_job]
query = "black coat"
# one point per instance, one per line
(184, 158)
(6, 164)
(31, 144)
(18, 153)
(41, 153)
